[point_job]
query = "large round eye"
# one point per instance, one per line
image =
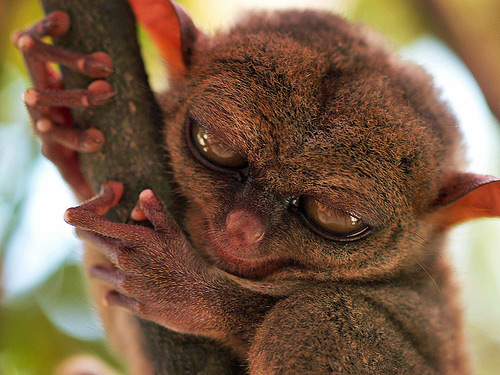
(331, 221)
(213, 150)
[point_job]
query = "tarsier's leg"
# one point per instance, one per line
(48, 103)
(352, 329)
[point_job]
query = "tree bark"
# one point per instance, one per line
(133, 154)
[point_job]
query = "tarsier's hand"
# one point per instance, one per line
(48, 102)
(152, 272)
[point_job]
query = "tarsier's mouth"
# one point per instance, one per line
(248, 269)
(209, 240)
(254, 268)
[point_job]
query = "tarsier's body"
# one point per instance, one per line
(317, 120)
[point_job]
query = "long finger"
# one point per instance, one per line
(133, 235)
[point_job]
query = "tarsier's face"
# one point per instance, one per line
(294, 156)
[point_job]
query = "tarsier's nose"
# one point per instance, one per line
(244, 227)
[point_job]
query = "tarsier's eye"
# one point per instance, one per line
(213, 150)
(332, 222)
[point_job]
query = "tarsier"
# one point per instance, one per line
(319, 175)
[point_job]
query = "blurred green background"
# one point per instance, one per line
(44, 314)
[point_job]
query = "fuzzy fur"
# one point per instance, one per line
(321, 108)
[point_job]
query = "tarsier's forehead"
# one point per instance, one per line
(286, 98)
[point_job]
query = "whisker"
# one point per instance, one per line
(416, 235)
(428, 274)
(411, 236)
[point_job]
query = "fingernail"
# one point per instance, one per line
(92, 140)
(43, 125)
(31, 97)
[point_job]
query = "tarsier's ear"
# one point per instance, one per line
(466, 196)
(170, 28)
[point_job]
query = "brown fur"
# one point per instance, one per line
(321, 109)
(318, 109)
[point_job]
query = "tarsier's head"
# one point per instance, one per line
(302, 145)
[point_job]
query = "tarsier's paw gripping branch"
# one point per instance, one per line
(319, 176)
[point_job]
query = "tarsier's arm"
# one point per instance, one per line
(156, 274)
(287, 307)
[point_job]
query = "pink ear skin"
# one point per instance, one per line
(171, 29)
(466, 196)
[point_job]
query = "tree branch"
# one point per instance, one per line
(133, 154)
